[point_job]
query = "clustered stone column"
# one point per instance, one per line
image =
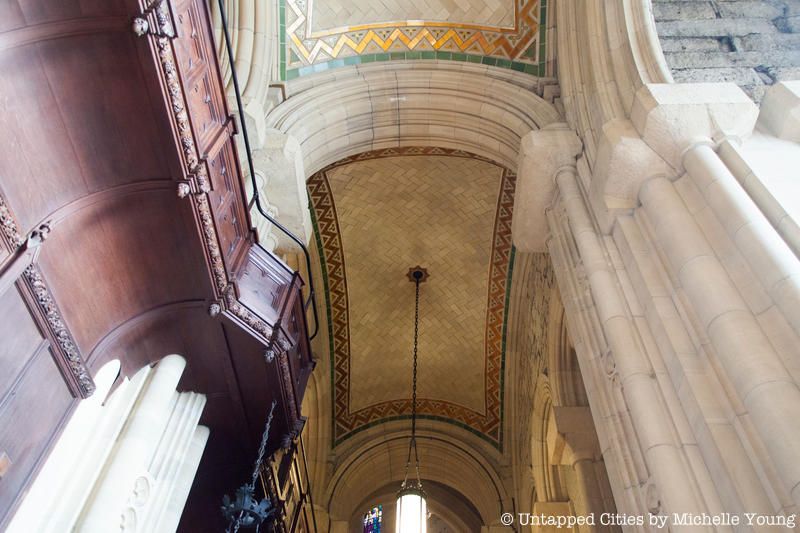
(667, 269)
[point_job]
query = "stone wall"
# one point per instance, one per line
(752, 43)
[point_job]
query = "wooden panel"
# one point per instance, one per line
(21, 337)
(82, 100)
(16, 14)
(226, 205)
(92, 144)
(11, 16)
(31, 12)
(196, 56)
(122, 256)
(263, 285)
(28, 417)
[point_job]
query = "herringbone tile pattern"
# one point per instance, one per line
(347, 420)
(328, 14)
(395, 213)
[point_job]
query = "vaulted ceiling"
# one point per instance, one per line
(377, 215)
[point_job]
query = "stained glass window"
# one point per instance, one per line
(373, 520)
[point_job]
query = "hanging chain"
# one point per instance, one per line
(244, 498)
(413, 442)
(414, 373)
(262, 448)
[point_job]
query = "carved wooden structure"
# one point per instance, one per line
(125, 235)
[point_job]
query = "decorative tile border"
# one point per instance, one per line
(487, 425)
(521, 48)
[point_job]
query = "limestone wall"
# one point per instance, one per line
(752, 43)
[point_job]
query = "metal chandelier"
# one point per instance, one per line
(412, 510)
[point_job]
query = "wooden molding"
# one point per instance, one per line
(64, 348)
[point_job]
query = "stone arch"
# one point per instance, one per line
(448, 462)
(565, 374)
(479, 109)
(446, 507)
(549, 485)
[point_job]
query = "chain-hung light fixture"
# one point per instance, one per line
(246, 510)
(412, 509)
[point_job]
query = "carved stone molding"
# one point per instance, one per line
(68, 357)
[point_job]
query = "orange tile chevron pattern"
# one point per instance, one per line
(519, 43)
(488, 424)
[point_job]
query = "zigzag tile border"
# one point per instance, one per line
(489, 424)
(519, 48)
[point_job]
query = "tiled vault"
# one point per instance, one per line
(379, 214)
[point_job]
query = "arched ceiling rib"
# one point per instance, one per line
(473, 108)
(445, 461)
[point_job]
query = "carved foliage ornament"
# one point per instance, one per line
(278, 346)
(167, 57)
(9, 225)
(212, 243)
(79, 375)
(195, 166)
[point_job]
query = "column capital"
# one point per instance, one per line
(623, 162)
(672, 117)
(780, 110)
(543, 153)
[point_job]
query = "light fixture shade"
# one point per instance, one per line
(412, 511)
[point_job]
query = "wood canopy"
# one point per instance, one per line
(126, 235)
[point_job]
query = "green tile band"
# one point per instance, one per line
(527, 68)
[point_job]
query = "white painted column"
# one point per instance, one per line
(654, 430)
(79, 456)
(756, 371)
(171, 456)
(173, 509)
(125, 461)
(772, 262)
(134, 449)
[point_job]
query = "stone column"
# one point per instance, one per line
(280, 164)
(657, 438)
(772, 262)
(134, 449)
(757, 373)
(676, 121)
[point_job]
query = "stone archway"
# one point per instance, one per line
(449, 463)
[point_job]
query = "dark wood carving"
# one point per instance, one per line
(124, 141)
(66, 354)
(253, 286)
(67, 357)
(8, 224)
